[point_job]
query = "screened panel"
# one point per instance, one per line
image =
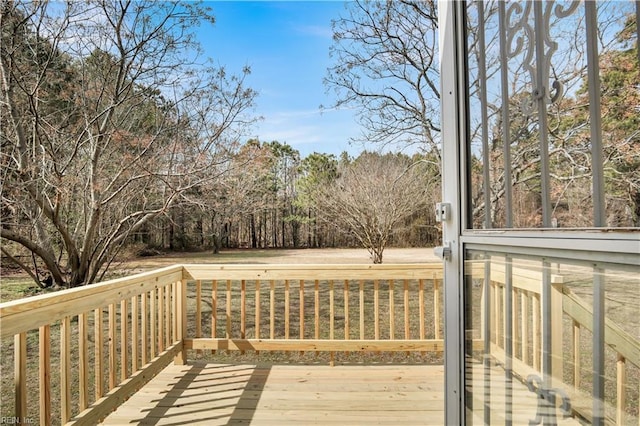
(550, 342)
(554, 115)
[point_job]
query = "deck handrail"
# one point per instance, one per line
(103, 314)
(526, 341)
(397, 290)
(120, 333)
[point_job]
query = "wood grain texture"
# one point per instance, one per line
(284, 394)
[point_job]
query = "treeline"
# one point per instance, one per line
(268, 199)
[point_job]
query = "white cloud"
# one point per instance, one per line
(315, 30)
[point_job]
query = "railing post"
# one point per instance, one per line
(20, 376)
(65, 370)
(621, 389)
(576, 354)
(556, 332)
(45, 374)
(181, 315)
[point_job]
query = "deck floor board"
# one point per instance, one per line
(224, 394)
(214, 394)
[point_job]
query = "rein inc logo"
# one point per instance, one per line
(13, 420)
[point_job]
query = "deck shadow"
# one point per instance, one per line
(233, 392)
(245, 409)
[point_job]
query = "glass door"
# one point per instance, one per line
(541, 179)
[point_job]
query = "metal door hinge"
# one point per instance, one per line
(443, 212)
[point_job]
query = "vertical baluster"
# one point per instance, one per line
(316, 297)
(257, 331)
(510, 329)
(598, 336)
(487, 320)
(331, 320)
(503, 316)
(44, 370)
(331, 311)
(515, 324)
(346, 310)
(272, 309)
(144, 319)
(556, 332)
(180, 321)
(83, 362)
(621, 389)
(537, 348)
(98, 351)
(286, 309)
(376, 309)
(168, 291)
(407, 325)
(492, 328)
(65, 370)
(228, 327)
(135, 338)
(153, 306)
(524, 303)
(484, 304)
(160, 319)
(20, 375)
(214, 310)
(243, 311)
(171, 314)
(407, 332)
(497, 312)
(421, 312)
(198, 312)
(301, 301)
(361, 297)
(392, 311)
(124, 341)
(576, 354)
(112, 346)
(437, 334)
(176, 311)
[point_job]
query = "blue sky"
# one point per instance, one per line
(286, 45)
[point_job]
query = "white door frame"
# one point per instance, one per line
(620, 248)
(450, 30)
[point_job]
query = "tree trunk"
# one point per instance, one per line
(376, 255)
(254, 238)
(282, 225)
(171, 233)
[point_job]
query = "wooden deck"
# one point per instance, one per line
(222, 394)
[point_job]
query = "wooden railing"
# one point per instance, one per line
(107, 339)
(329, 308)
(80, 353)
(566, 350)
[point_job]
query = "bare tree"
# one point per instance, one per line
(386, 66)
(372, 195)
(108, 119)
(510, 125)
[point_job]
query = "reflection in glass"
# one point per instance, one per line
(553, 131)
(550, 343)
